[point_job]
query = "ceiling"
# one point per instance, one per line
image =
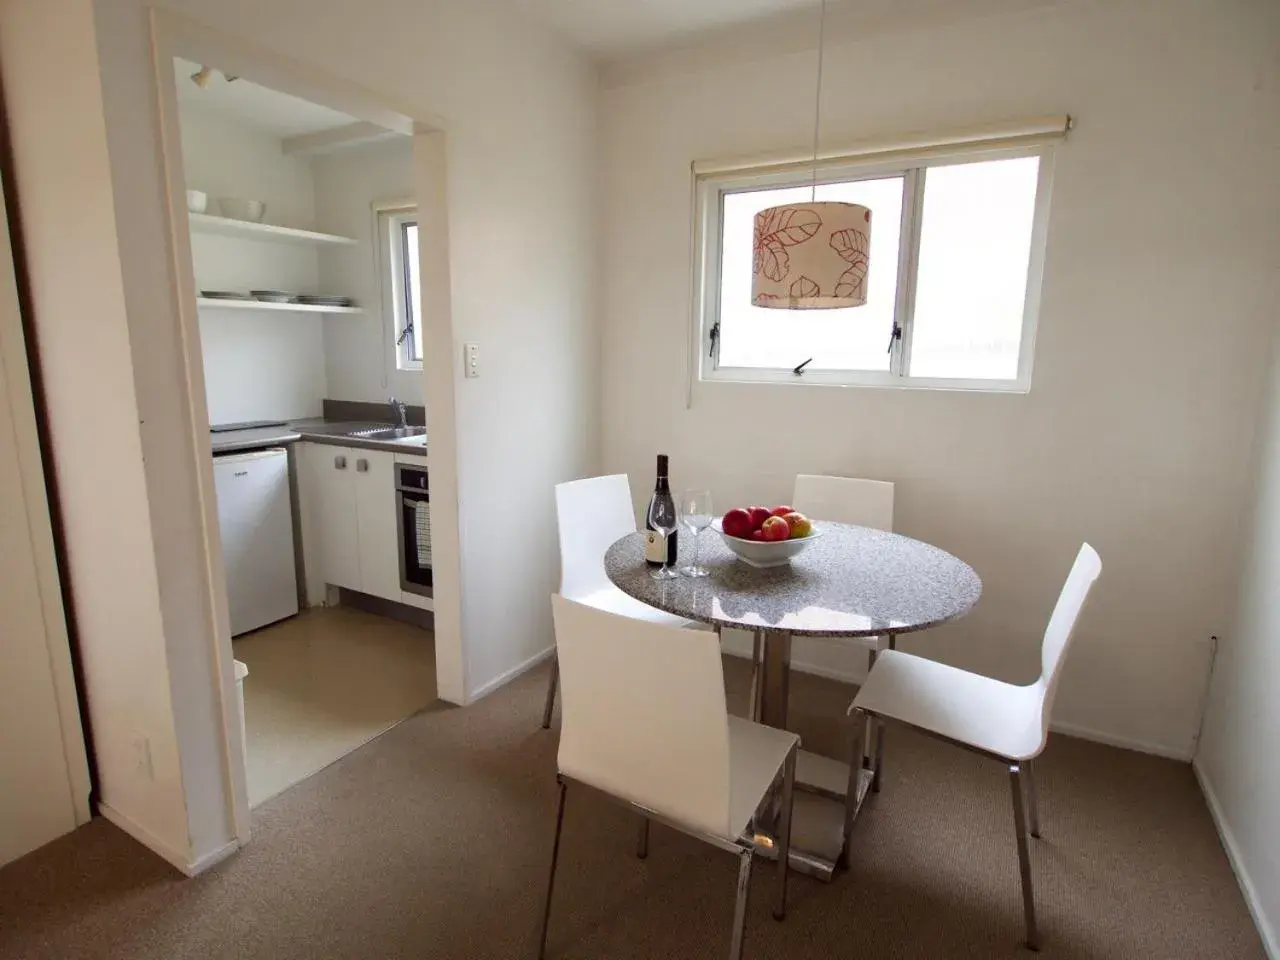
(613, 30)
(608, 28)
(266, 110)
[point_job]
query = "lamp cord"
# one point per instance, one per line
(817, 102)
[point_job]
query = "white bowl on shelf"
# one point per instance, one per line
(238, 209)
(765, 553)
(197, 201)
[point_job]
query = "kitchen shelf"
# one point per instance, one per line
(208, 223)
(263, 305)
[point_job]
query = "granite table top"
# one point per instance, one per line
(850, 582)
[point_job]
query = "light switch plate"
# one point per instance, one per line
(470, 360)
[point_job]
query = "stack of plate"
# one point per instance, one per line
(326, 301)
(224, 295)
(274, 296)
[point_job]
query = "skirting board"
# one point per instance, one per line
(739, 645)
(1265, 930)
(162, 849)
(504, 678)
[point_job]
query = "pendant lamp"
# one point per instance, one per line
(815, 255)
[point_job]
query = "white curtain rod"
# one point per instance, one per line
(1006, 134)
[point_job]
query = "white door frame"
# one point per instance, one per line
(176, 36)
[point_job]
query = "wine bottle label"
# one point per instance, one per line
(655, 547)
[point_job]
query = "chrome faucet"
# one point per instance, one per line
(398, 407)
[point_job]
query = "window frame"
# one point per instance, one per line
(394, 280)
(709, 193)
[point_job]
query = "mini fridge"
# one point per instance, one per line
(255, 518)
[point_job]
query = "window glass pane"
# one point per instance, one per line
(854, 338)
(413, 270)
(975, 245)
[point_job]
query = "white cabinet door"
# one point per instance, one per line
(330, 476)
(44, 780)
(375, 508)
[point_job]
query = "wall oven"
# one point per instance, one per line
(413, 522)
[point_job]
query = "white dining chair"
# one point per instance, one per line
(644, 720)
(1003, 721)
(591, 514)
(864, 503)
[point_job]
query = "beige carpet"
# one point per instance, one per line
(432, 841)
(324, 683)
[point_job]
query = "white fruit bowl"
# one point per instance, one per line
(765, 553)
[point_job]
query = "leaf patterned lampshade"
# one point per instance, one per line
(811, 256)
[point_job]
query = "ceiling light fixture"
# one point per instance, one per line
(815, 255)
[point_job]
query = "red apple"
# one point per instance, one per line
(756, 535)
(782, 511)
(800, 525)
(737, 523)
(758, 516)
(775, 528)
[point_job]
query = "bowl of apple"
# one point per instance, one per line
(762, 537)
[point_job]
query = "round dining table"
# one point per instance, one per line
(848, 584)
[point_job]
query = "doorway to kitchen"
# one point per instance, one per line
(304, 251)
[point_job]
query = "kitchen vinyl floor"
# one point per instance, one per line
(324, 683)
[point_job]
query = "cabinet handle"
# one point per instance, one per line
(340, 462)
(362, 466)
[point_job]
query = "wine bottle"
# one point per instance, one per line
(656, 549)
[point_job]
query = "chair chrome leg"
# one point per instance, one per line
(753, 707)
(879, 758)
(642, 842)
(875, 781)
(784, 833)
(551, 879)
(857, 763)
(1024, 856)
(551, 692)
(1033, 803)
(740, 908)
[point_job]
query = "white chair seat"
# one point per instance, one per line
(756, 754)
(612, 600)
(1000, 718)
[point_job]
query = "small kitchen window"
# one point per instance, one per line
(957, 248)
(402, 282)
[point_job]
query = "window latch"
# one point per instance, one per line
(894, 336)
(714, 336)
(798, 370)
(404, 334)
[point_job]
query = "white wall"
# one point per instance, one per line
(262, 366)
(257, 366)
(1135, 434)
(360, 353)
(1237, 762)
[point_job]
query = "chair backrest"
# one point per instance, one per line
(866, 503)
(1062, 624)
(643, 714)
(591, 514)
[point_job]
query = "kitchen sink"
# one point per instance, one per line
(389, 433)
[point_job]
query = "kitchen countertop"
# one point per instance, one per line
(315, 430)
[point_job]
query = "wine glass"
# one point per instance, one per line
(695, 512)
(664, 520)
